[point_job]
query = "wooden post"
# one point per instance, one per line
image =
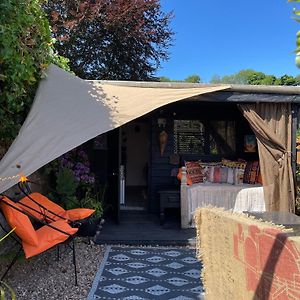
(184, 205)
(295, 154)
(294, 137)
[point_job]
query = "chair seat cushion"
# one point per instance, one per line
(44, 201)
(18, 220)
(49, 237)
(79, 213)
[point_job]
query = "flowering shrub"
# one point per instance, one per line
(77, 161)
(75, 182)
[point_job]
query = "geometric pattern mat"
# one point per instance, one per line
(136, 273)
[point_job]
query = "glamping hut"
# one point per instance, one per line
(145, 132)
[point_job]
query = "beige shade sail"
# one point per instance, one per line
(68, 111)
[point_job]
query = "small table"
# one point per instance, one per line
(169, 198)
(287, 219)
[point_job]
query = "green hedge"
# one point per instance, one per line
(26, 49)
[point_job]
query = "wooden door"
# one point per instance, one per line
(113, 165)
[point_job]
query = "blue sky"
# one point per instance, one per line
(223, 37)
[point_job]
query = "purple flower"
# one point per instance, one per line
(78, 162)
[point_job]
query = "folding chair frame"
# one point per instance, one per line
(72, 237)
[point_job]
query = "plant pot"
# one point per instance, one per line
(88, 227)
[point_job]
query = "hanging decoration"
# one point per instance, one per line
(163, 139)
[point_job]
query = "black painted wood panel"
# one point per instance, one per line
(160, 167)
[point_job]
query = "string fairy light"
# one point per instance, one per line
(9, 177)
(22, 177)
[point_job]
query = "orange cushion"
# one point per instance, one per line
(259, 178)
(20, 221)
(194, 170)
(79, 213)
(49, 237)
(179, 177)
(41, 199)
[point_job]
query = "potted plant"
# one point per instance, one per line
(92, 200)
(75, 188)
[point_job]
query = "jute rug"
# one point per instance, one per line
(245, 258)
(148, 273)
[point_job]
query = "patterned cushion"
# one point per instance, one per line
(238, 175)
(206, 169)
(230, 176)
(251, 172)
(210, 176)
(217, 175)
(224, 174)
(259, 178)
(240, 164)
(194, 171)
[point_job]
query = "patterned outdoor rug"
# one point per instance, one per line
(133, 273)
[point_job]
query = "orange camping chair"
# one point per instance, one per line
(43, 208)
(34, 242)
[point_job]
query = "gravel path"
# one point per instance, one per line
(43, 278)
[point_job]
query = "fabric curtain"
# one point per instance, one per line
(271, 123)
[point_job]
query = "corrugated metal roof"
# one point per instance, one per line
(256, 89)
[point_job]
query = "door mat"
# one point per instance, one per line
(148, 273)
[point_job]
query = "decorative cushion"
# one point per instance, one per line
(194, 170)
(237, 169)
(19, 221)
(230, 176)
(49, 237)
(188, 179)
(259, 178)
(251, 172)
(240, 164)
(238, 175)
(224, 174)
(76, 214)
(206, 167)
(217, 175)
(210, 174)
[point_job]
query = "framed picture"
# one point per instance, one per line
(250, 145)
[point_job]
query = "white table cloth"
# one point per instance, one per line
(239, 198)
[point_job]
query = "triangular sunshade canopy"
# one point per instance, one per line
(68, 111)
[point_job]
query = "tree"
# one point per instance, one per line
(111, 39)
(164, 79)
(240, 77)
(216, 79)
(193, 79)
(287, 80)
(26, 49)
(256, 78)
(190, 79)
(296, 17)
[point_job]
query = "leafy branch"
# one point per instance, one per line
(296, 17)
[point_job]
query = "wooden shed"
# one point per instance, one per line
(145, 131)
(142, 157)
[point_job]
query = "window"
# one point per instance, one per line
(204, 137)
